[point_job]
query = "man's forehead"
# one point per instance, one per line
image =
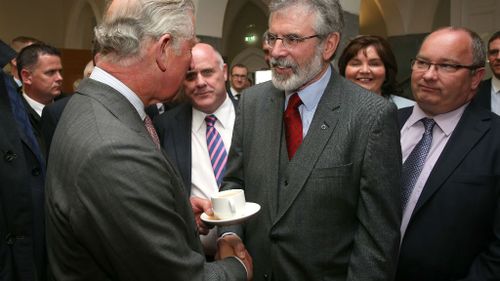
(239, 69)
(286, 21)
(495, 44)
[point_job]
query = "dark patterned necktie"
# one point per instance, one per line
(293, 125)
(151, 130)
(216, 149)
(413, 165)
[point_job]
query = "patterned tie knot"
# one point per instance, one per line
(428, 125)
(294, 101)
(210, 119)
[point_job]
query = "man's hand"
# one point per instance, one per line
(199, 206)
(231, 245)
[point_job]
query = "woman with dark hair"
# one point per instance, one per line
(369, 62)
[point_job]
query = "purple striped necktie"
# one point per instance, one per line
(216, 149)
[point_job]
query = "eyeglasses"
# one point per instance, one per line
(289, 41)
(421, 65)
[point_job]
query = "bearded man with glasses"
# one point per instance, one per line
(451, 170)
(320, 155)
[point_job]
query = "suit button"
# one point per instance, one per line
(10, 239)
(266, 277)
(9, 156)
(286, 182)
(35, 172)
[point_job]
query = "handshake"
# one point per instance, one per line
(229, 245)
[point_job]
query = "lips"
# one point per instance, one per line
(364, 79)
(427, 88)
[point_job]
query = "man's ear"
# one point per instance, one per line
(162, 45)
(477, 77)
(331, 44)
(26, 76)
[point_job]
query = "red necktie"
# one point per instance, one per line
(293, 125)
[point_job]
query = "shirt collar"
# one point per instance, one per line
(37, 107)
(495, 84)
(104, 77)
(309, 95)
(222, 113)
(446, 121)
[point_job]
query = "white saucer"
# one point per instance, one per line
(250, 210)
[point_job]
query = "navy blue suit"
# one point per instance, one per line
(483, 96)
(22, 228)
(454, 231)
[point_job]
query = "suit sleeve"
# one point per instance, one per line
(376, 242)
(142, 218)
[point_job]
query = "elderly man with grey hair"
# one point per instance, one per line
(116, 208)
(320, 155)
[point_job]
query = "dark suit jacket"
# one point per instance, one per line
(50, 116)
(36, 123)
(52, 113)
(332, 212)
(22, 230)
(116, 207)
(483, 96)
(454, 232)
(174, 131)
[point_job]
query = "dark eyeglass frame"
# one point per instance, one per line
(288, 41)
(440, 67)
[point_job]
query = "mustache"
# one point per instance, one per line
(282, 62)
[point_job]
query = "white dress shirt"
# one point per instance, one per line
(37, 107)
(411, 133)
(495, 95)
(203, 183)
(310, 97)
(235, 93)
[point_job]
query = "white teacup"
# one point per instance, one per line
(228, 204)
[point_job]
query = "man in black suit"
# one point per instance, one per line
(239, 80)
(451, 152)
(22, 231)
(182, 130)
(488, 95)
(40, 68)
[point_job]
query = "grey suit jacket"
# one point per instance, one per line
(116, 207)
(334, 213)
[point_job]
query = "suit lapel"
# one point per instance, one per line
(181, 138)
(470, 129)
(320, 131)
(273, 122)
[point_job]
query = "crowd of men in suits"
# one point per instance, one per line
(350, 188)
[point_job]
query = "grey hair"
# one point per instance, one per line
(124, 35)
(477, 45)
(329, 13)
